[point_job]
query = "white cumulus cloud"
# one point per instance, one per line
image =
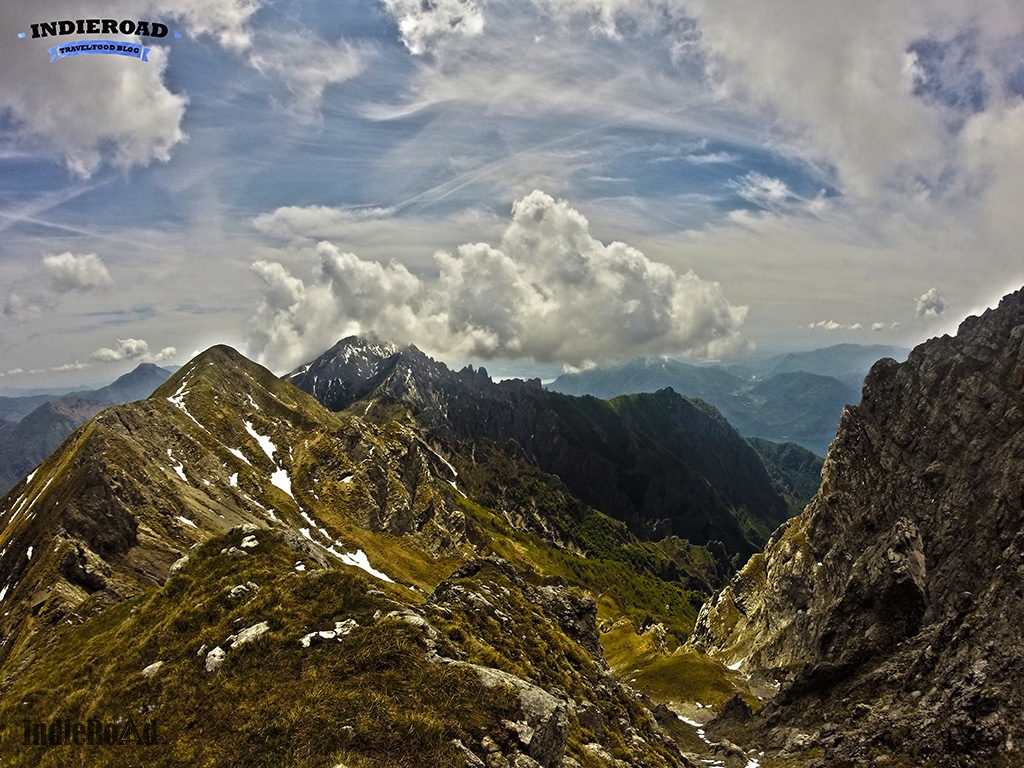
(833, 325)
(548, 290)
(930, 303)
(132, 349)
(76, 272)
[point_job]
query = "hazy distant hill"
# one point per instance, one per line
(709, 383)
(777, 402)
(37, 434)
(16, 408)
(798, 407)
(847, 362)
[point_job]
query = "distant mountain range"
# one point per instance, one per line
(796, 397)
(849, 363)
(663, 464)
(30, 436)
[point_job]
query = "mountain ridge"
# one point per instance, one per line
(230, 532)
(681, 482)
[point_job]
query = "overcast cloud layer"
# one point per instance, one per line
(553, 181)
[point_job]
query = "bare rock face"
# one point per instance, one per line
(890, 608)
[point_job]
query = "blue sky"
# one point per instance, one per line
(533, 185)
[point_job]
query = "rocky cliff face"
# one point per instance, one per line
(889, 611)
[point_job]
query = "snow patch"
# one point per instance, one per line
(737, 665)
(445, 462)
(238, 454)
(188, 522)
(28, 554)
(30, 475)
(178, 401)
(34, 500)
(233, 480)
(281, 480)
(265, 442)
(3, 592)
(359, 560)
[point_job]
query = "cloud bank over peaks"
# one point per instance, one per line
(548, 291)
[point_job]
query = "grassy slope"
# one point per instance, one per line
(291, 702)
(367, 700)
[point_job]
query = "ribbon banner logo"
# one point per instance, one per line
(108, 47)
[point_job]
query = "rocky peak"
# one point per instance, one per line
(661, 463)
(347, 371)
(898, 588)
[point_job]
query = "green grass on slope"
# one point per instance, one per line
(618, 588)
(369, 700)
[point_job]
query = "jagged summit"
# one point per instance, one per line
(354, 367)
(663, 464)
(893, 603)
